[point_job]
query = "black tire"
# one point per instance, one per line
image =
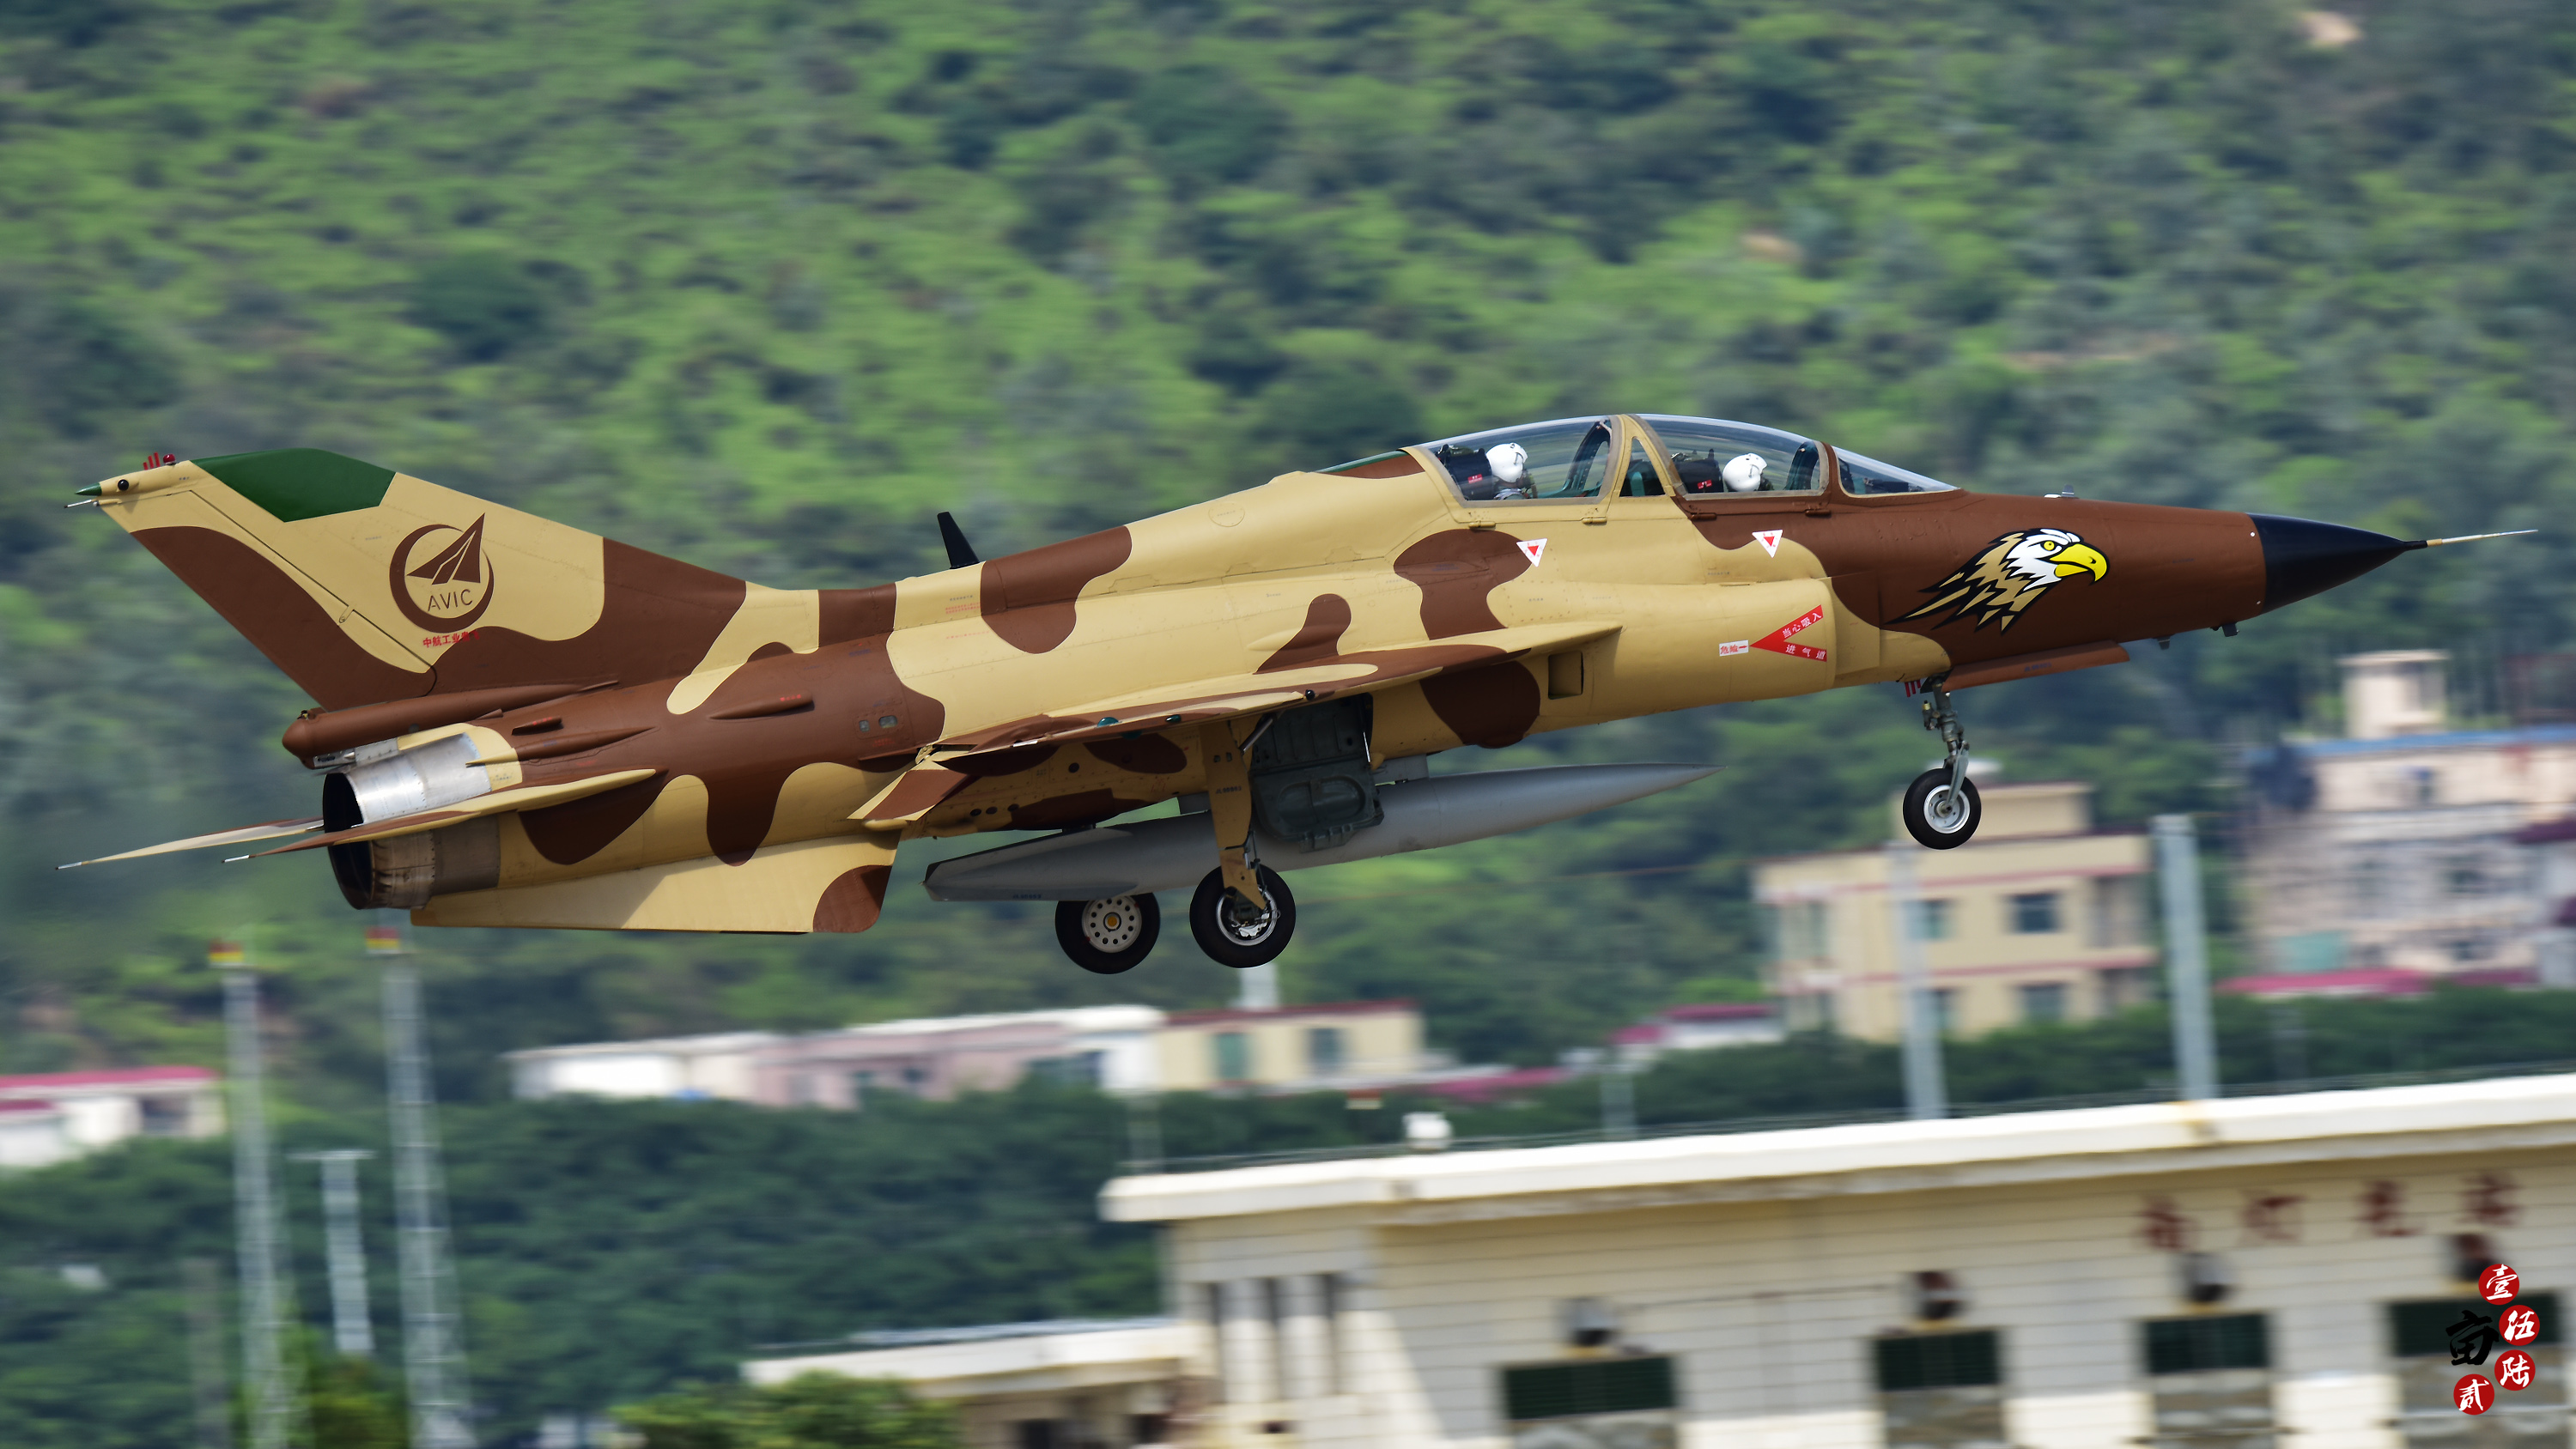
(1229, 942)
(1108, 936)
(1932, 818)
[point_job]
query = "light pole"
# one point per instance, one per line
(433, 1336)
(2186, 958)
(272, 1401)
(1926, 1095)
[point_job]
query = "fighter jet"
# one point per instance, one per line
(517, 723)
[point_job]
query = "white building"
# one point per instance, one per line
(55, 1116)
(1079, 1385)
(1697, 1027)
(2175, 1274)
(718, 1066)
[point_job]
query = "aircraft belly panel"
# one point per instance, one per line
(815, 885)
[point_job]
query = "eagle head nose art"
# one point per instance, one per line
(2080, 558)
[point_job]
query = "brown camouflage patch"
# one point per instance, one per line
(282, 621)
(1063, 812)
(1492, 707)
(659, 618)
(1143, 755)
(1326, 619)
(1456, 571)
(853, 901)
(1028, 597)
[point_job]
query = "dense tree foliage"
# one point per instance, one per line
(811, 1411)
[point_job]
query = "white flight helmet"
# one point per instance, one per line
(1509, 461)
(1743, 473)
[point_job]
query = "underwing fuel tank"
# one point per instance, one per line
(1174, 853)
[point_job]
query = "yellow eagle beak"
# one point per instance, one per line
(2079, 558)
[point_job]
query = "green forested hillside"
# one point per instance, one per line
(764, 285)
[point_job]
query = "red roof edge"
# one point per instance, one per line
(110, 1077)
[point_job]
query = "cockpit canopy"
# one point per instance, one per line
(1572, 458)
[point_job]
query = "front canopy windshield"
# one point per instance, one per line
(1714, 458)
(1534, 462)
(1868, 475)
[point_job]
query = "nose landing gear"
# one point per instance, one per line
(1941, 807)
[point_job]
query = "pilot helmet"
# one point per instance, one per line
(1509, 461)
(1743, 472)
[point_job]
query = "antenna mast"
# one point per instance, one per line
(353, 1335)
(433, 1335)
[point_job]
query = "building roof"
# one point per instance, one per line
(36, 1105)
(707, 1045)
(1279, 1013)
(1717, 1011)
(110, 1077)
(1484, 1088)
(1071, 1018)
(1008, 1358)
(2497, 1114)
(2446, 740)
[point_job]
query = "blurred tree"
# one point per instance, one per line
(811, 1411)
(484, 304)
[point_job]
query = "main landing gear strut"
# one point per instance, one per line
(1941, 806)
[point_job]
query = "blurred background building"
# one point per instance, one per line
(55, 1116)
(2410, 845)
(2040, 918)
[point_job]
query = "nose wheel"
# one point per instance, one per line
(1109, 936)
(1941, 807)
(1234, 932)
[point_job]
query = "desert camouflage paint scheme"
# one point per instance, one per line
(667, 748)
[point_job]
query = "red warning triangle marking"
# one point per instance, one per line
(1533, 547)
(1769, 538)
(1777, 641)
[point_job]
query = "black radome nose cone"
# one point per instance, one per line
(2303, 557)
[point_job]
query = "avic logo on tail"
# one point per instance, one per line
(440, 577)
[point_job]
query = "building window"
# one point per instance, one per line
(1938, 1389)
(861, 1083)
(2035, 914)
(163, 1116)
(2043, 1003)
(1324, 1055)
(915, 1080)
(2125, 986)
(2420, 1343)
(1808, 1011)
(1212, 1304)
(1590, 1389)
(1798, 931)
(1945, 1009)
(2118, 916)
(1932, 920)
(2211, 1381)
(1233, 1056)
(1332, 1300)
(1036, 1434)
(1274, 1332)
